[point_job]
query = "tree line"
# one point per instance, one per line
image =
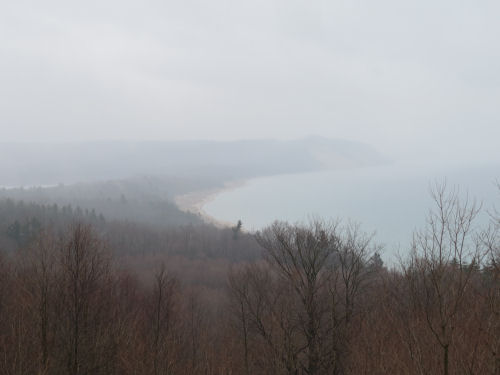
(318, 300)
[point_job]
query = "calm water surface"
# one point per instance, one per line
(391, 200)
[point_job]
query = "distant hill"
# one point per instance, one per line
(202, 162)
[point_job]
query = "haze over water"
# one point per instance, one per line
(391, 200)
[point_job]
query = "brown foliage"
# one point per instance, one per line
(317, 302)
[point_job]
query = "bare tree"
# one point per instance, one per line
(349, 277)
(265, 308)
(39, 267)
(307, 289)
(300, 256)
(490, 290)
(85, 288)
(238, 286)
(160, 311)
(441, 266)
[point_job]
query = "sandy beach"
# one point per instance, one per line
(195, 201)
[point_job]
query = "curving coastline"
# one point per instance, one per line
(194, 201)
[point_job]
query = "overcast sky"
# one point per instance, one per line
(407, 77)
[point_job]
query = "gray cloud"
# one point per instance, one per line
(405, 76)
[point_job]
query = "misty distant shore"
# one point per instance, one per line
(209, 163)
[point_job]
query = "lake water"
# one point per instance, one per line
(392, 200)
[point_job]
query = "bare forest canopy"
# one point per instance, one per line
(34, 164)
(310, 298)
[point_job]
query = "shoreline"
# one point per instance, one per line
(194, 202)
